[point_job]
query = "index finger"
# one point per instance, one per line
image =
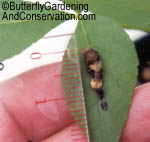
(23, 97)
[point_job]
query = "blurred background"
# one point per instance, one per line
(142, 43)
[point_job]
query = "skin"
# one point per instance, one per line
(22, 119)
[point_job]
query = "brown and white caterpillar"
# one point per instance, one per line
(93, 60)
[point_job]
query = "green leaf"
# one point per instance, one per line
(129, 13)
(119, 76)
(71, 81)
(16, 36)
(74, 1)
(74, 4)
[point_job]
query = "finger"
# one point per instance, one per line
(137, 128)
(9, 131)
(21, 94)
(70, 134)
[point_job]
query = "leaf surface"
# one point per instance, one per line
(129, 13)
(16, 36)
(76, 8)
(119, 76)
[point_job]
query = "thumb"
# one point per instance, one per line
(137, 128)
(69, 134)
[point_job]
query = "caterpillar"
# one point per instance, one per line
(93, 60)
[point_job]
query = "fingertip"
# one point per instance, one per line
(137, 127)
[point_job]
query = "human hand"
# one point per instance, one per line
(22, 119)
